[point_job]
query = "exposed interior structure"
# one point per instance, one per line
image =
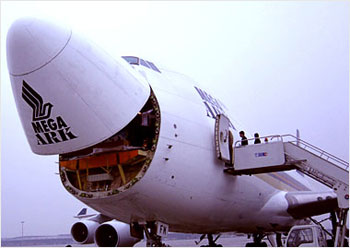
(118, 160)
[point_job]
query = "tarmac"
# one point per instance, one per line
(174, 241)
(238, 241)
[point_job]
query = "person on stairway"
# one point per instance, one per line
(244, 140)
(257, 139)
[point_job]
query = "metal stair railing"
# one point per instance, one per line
(263, 139)
(314, 173)
(318, 152)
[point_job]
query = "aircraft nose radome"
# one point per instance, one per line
(70, 94)
(32, 43)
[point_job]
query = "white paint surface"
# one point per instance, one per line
(277, 65)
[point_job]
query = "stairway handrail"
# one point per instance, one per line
(262, 139)
(338, 161)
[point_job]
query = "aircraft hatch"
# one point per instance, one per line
(223, 139)
(116, 163)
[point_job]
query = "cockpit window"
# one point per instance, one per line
(142, 62)
(137, 61)
(131, 60)
(153, 66)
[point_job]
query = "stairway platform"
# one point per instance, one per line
(289, 165)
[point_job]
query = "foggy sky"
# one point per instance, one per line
(278, 66)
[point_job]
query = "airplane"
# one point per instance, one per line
(150, 149)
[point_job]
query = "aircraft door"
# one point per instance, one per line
(223, 139)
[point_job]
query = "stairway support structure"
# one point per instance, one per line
(300, 155)
(328, 170)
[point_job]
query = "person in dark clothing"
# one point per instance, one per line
(244, 140)
(257, 139)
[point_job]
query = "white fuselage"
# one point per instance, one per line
(71, 95)
(185, 185)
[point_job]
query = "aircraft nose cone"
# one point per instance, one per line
(31, 44)
(70, 94)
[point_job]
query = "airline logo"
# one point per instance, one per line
(260, 154)
(213, 106)
(47, 130)
(35, 101)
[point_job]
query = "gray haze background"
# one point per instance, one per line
(277, 65)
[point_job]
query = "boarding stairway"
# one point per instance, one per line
(287, 152)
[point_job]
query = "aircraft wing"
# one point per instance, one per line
(83, 214)
(303, 204)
